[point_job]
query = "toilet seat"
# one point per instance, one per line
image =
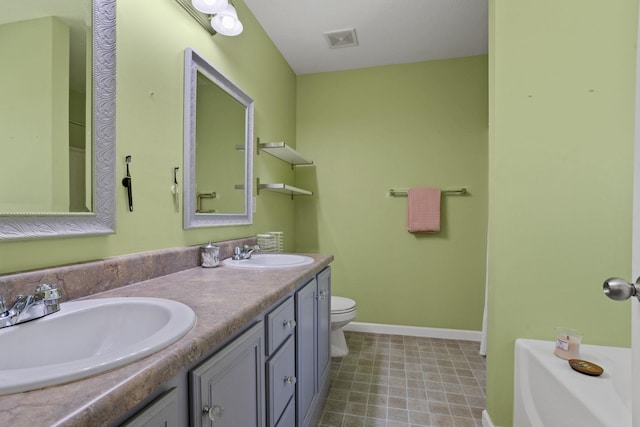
(341, 305)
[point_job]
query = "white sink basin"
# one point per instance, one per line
(88, 337)
(270, 261)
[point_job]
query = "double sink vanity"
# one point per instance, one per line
(243, 346)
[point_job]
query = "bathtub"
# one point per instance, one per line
(548, 393)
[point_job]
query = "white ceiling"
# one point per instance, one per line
(388, 31)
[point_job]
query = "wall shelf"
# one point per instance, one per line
(283, 188)
(283, 152)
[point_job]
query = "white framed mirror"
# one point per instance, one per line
(218, 147)
(77, 138)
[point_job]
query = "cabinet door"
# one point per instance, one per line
(227, 390)
(306, 350)
(281, 380)
(288, 418)
(324, 326)
(162, 412)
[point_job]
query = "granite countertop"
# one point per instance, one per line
(224, 299)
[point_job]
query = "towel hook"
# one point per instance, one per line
(175, 191)
(126, 181)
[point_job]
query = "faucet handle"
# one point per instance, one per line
(22, 303)
(3, 306)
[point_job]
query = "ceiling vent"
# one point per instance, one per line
(342, 38)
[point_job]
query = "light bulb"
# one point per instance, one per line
(210, 7)
(227, 22)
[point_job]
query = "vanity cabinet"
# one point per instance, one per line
(274, 374)
(227, 390)
(313, 361)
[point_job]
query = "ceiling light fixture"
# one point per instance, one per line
(226, 22)
(215, 16)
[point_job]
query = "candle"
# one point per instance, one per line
(568, 344)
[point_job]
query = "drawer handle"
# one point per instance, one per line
(289, 324)
(214, 412)
(290, 380)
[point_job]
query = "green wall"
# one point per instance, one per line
(149, 115)
(561, 163)
(370, 130)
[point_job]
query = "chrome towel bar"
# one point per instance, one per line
(403, 193)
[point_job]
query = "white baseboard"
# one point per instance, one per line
(486, 420)
(414, 331)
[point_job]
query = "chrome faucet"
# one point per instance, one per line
(44, 301)
(244, 253)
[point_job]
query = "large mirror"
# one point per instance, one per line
(57, 118)
(218, 148)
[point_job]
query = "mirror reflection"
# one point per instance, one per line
(218, 148)
(45, 125)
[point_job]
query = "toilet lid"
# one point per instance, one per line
(342, 304)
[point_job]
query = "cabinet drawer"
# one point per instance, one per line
(281, 380)
(280, 325)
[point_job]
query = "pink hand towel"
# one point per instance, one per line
(423, 210)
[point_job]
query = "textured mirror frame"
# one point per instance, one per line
(102, 219)
(194, 63)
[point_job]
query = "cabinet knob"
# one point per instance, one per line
(213, 412)
(290, 380)
(322, 294)
(289, 324)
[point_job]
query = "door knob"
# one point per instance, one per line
(289, 324)
(214, 412)
(620, 290)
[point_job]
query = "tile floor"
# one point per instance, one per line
(401, 381)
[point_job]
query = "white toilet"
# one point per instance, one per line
(343, 311)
